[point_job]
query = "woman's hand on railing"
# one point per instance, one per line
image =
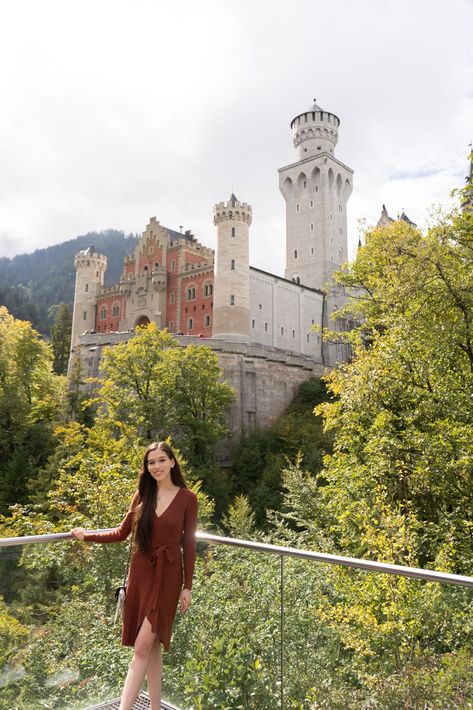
(78, 533)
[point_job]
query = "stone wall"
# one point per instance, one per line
(266, 379)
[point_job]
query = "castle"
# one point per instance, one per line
(261, 324)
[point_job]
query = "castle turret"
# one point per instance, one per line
(231, 309)
(90, 269)
(316, 189)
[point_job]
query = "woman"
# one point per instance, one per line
(163, 518)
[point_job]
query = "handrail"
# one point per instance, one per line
(368, 565)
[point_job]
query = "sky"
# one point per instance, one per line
(114, 112)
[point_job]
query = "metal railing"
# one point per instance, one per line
(357, 563)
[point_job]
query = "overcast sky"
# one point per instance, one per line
(114, 112)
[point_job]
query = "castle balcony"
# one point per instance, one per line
(269, 627)
(159, 280)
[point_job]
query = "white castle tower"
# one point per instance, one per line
(231, 309)
(316, 189)
(90, 269)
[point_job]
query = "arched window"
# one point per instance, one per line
(208, 289)
(232, 265)
(232, 300)
(190, 324)
(103, 312)
(191, 293)
(207, 321)
(172, 297)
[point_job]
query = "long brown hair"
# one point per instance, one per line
(148, 493)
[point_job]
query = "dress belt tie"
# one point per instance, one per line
(158, 554)
(158, 551)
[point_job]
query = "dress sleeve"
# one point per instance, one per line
(119, 533)
(188, 541)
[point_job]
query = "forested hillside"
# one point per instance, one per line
(32, 285)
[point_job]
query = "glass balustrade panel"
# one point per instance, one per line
(357, 639)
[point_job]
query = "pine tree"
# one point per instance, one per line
(61, 339)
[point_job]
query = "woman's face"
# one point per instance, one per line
(159, 465)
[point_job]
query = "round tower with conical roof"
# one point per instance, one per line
(316, 189)
(231, 305)
(90, 269)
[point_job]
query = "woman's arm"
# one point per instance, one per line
(117, 535)
(188, 541)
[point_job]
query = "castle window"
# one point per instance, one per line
(232, 265)
(173, 265)
(308, 337)
(208, 289)
(305, 183)
(103, 312)
(312, 203)
(232, 300)
(282, 330)
(253, 322)
(298, 207)
(207, 320)
(312, 250)
(150, 250)
(293, 333)
(171, 297)
(316, 188)
(171, 326)
(265, 327)
(233, 231)
(190, 323)
(115, 310)
(84, 315)
(86, 287)
(311, 227)
(156, 265)
(295, 253)
(298, 279)
(191, 293)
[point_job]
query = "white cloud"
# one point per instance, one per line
(115, 111)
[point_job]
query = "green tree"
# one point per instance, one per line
(130, 383)
(30, 397)
(162, 388)
(61, 339)
(196, 400)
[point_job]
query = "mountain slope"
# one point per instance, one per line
(31, 284)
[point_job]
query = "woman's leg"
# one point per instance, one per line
(138, 666)
(154, 675)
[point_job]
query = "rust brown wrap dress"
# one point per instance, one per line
(156, 577)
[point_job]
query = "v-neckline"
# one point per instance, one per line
(168, 505)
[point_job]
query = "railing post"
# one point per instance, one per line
(281, 559)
